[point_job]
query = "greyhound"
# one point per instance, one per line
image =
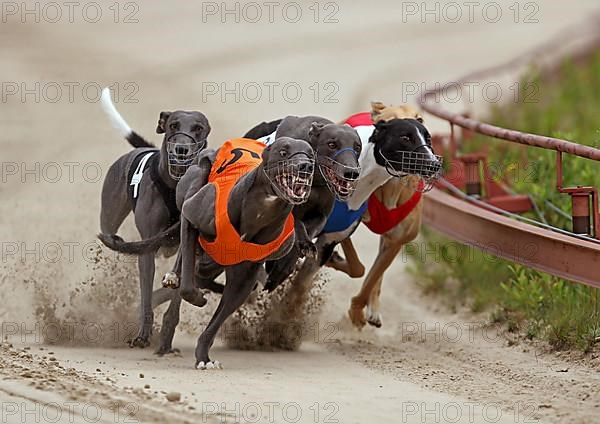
(386, 148)
(237, 228)
(337, 149)
(144, 181)
(394, 212)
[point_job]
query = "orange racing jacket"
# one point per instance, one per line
(235, 159)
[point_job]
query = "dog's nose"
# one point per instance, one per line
(307, 167)
(181, 150)
(352, 175)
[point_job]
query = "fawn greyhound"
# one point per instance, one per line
(394, 212)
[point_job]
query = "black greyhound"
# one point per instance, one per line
(144, 181)
(256, 209)
(340, 143)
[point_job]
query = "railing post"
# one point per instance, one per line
(580, 202)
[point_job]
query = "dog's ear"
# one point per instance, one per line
(419, 118)
(315, 130)
(162, 122)
(381, 125)
(376, 109)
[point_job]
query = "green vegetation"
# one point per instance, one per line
(567, 315)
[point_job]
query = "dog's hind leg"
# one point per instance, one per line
(115, 205)
(241, 280)
(169, 324)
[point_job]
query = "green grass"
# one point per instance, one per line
(537, 305)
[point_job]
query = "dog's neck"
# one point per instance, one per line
(372, 176)
(255, 210)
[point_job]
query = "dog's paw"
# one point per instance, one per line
(209, 365)
(162, 351)
(356, 314)
(307, 249)
(140, 341)
(373, 318)
(170, 281)
(195, 297)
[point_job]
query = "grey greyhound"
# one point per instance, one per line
(337, 149)
(144, 181)
(237, 226)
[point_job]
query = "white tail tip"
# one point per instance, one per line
(114, 116)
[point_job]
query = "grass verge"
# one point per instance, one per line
(564, 104)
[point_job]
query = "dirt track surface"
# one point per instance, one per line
(424, 365)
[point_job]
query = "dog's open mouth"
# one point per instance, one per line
(292, 180)
(340, 179)
(295, 188)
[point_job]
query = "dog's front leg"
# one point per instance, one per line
(171, 278)
(187, 249)
(303, 241)
(351, 265)
(241, 280)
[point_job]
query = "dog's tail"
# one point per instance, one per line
(167, 238)
(119, 123)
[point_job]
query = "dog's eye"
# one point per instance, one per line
(332, 145)
(405, 138)
(197, 128)
(174, 126)
(283, 153)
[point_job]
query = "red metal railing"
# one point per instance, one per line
(475, 220)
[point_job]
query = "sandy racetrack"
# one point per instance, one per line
(424, 365)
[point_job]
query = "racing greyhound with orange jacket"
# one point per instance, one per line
(240, 219)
